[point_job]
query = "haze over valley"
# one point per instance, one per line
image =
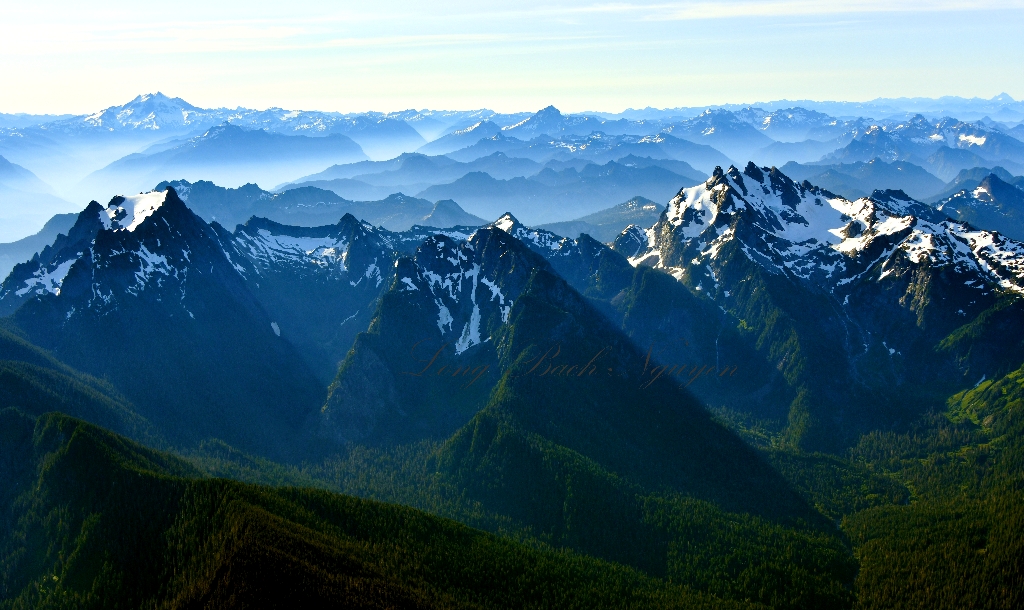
(545, 165)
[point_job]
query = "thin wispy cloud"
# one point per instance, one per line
(793, 8)
(396, 53)
(29, 31)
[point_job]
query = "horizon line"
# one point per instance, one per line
(755, 104)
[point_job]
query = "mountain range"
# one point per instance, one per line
(1003, 107)
(227, 154)
(993, 203)
(860, 179)
(552, 192)
(860, 260)
(155, 138)
(752, 396)
(945, 146)
(312, 206)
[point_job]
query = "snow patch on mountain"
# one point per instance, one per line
(444, 317)
(47, 280)
(470, 333)
(149, 265)
(269, 249)
(465, 283)
(127, 213)
(975, 140)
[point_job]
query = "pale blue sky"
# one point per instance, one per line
(388, 55)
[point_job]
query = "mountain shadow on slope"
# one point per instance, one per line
(607, 462)
(35, 382)
(161, 313)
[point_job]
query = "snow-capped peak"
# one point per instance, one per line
(535, 238)
(506, 222)
(806, 233)
(127, 213)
